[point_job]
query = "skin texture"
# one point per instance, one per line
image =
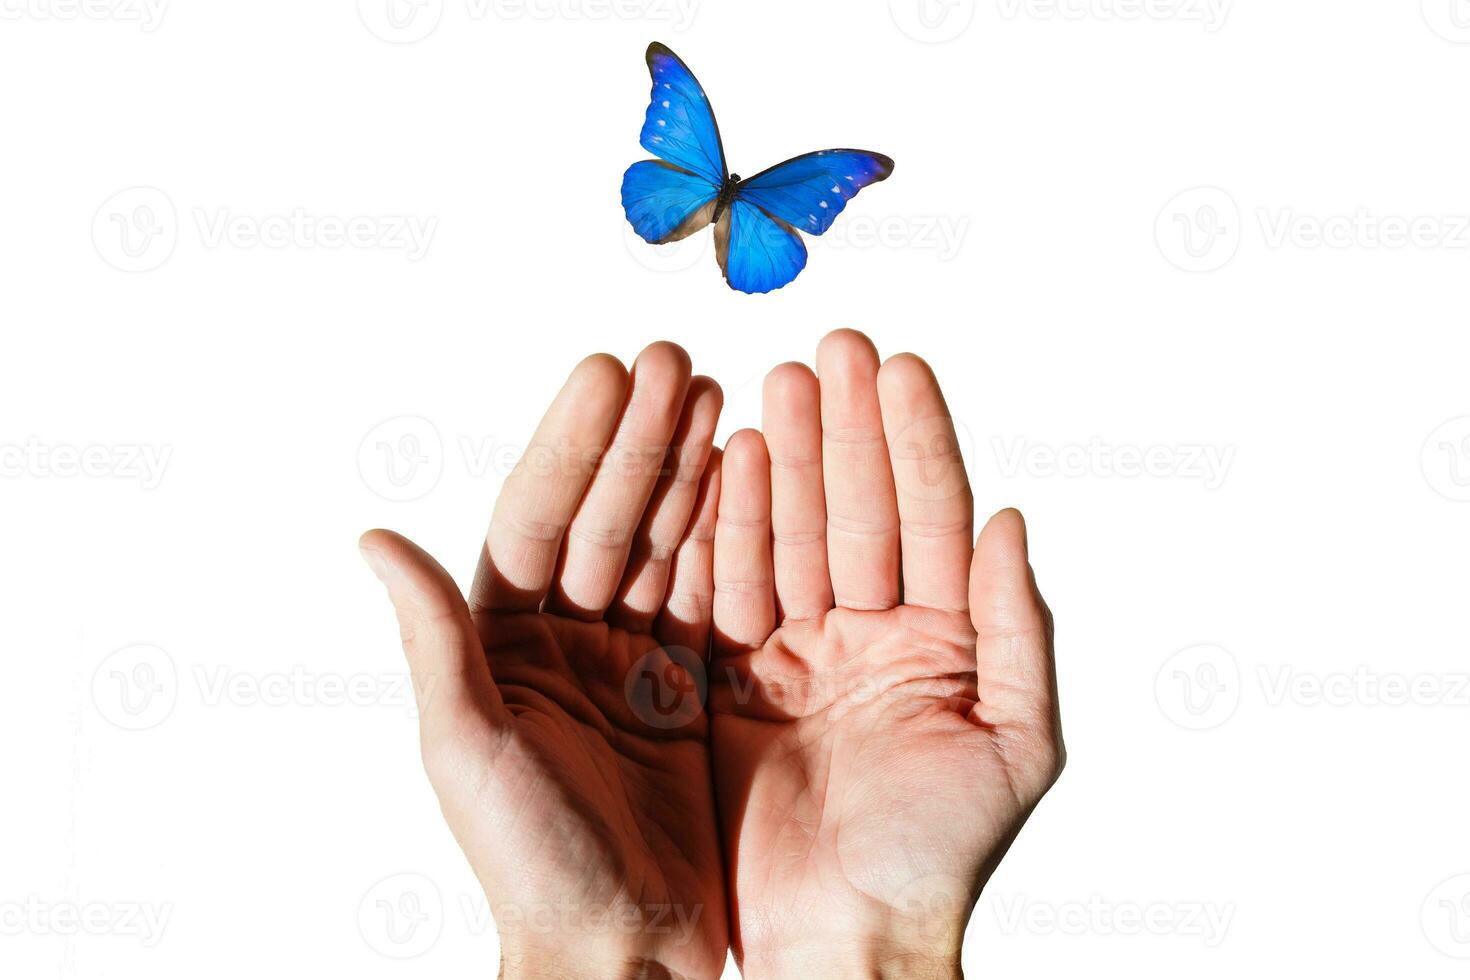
(591, 829)
(881, 710)
(882, 693)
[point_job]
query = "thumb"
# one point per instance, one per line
(1014, 652)
(451, 677)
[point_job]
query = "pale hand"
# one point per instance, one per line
(882, 688)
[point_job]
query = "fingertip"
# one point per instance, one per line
(664, 354)
(1002, 587)
(382, 548)
(600, 367)
(790, 401)
(1008, 525)
(372, 552)
(704, 390)
(790, 377)
(596, 385)
(745, 447)
(846, 350)
(368, 540)
(905, 369)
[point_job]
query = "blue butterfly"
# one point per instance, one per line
(756, 219)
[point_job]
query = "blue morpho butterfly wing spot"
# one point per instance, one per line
(679, 125)
(658, 199)
(810, 191)
(757, 252)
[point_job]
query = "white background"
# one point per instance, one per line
(1172, 231)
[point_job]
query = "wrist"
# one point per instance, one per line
(846, 959)
(575, 940)
(569, 964)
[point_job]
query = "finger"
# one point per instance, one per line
(745, 600)
(601, 533)
(862, 513)
(792, 422)
(541, 494)
(685, 618)
(451, 680)
(1014, 660)
(666, 519)
(935, 508)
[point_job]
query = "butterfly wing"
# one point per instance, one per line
(757, 252)
(680, 126)
(664, 203)
(809, 192)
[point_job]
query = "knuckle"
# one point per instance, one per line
(604, 537)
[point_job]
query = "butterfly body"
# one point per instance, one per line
(727, 194)
(756, 219)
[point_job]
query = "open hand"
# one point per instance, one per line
(583, 805)
(882, 691)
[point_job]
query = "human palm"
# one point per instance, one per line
(586, 813)
(881, 712)
(882, 701)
